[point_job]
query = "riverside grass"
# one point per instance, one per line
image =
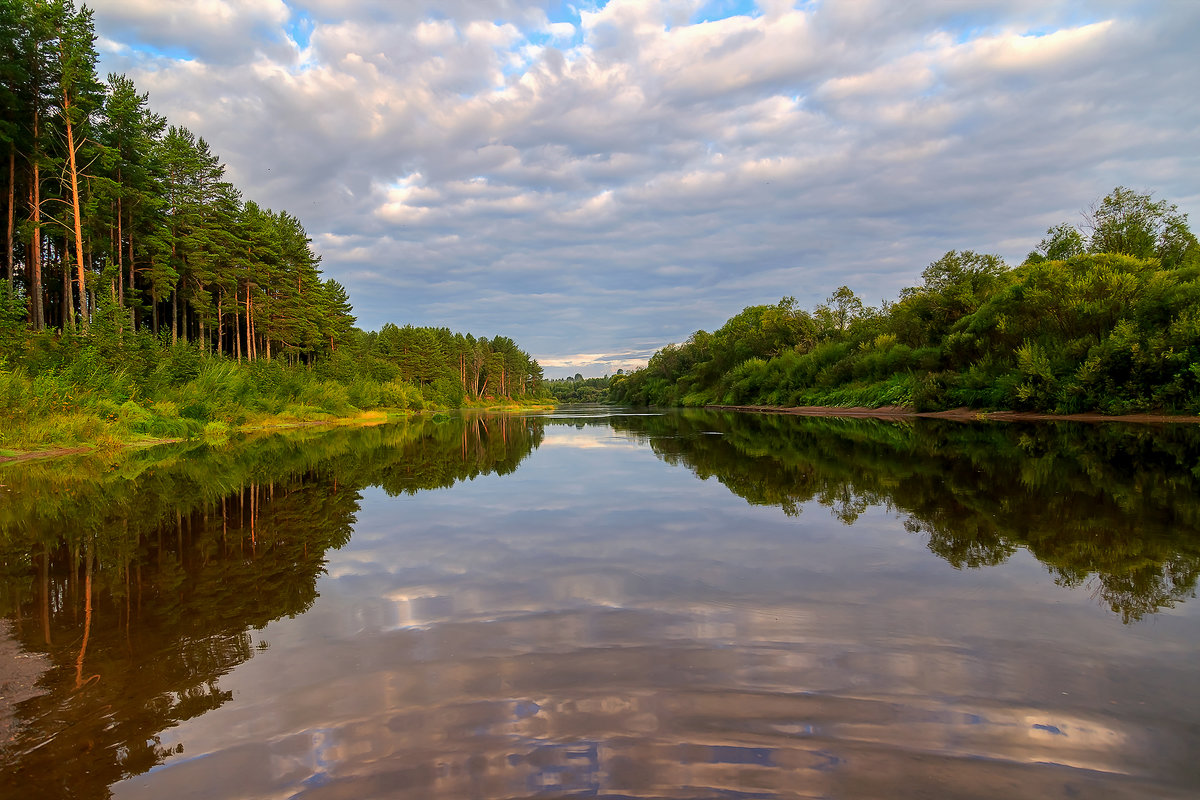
(87, 404)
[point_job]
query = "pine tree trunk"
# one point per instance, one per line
(250, 348)
(237, 327)
(132, 286)
(120, 252)
(37, 300)
(68, 298)
(74, 172)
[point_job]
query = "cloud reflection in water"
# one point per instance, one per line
(600, 623)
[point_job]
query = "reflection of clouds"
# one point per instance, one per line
(418, 608)
(586, 442)
(599, 700)
(583, 434)
(486, 642)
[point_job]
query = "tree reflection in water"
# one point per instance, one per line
(143, 581)
(1116, 505)
(141, 577)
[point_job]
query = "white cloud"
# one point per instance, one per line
(640, 169)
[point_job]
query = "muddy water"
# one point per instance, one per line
(604, 604)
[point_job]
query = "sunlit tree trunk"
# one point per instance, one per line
(35, 248)
(249, 329)
(237, 327)
(132, 286)
(73, 172)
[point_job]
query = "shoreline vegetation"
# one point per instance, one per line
(1099, 321)
(265, 427)
(143, 298)
(69, 391)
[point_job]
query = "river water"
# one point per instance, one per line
(601, 603)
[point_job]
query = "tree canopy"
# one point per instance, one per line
(110, 210)
(1104, 316)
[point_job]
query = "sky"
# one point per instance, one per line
(597, 180)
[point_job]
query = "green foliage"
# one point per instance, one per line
(578, 389)
(1103, 331)
(111, 386)
(1134, 224)
(1062, 241)
(12, 324)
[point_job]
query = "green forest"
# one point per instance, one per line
(1103, 316)
(142, 295)
(579, 389)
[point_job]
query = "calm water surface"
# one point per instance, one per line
(595, 603)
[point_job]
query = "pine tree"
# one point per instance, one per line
(79, 95)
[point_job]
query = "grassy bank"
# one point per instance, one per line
(68, 393)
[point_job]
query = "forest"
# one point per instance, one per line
(579, 389)
(143, 295)
(1102, 316)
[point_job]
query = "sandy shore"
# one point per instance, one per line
(956, 414)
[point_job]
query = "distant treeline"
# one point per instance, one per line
(1103, 316)
(579, 389)
(451, 367)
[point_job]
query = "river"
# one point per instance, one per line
(596, 602)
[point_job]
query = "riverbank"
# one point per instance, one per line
(109, 443)
(956, 414)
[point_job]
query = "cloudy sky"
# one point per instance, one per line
(596, 180)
